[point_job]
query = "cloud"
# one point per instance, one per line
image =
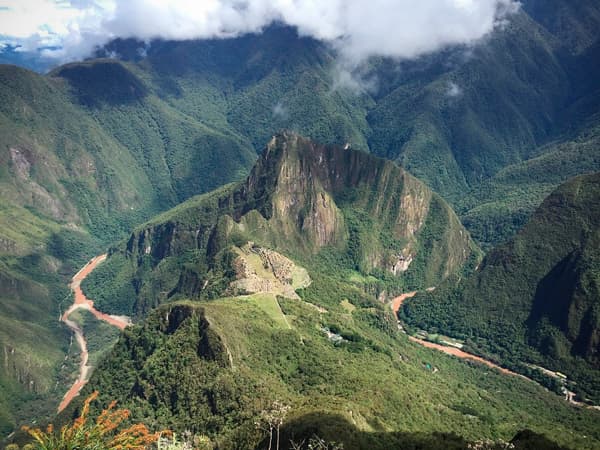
(353, 77)
(22, 19)
(453, 90)
(357, 29)
(280, 111)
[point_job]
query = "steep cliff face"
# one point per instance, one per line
(300, 205)
(324, 196)
(301, 199)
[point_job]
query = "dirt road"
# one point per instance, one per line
(397, 303)
(81, 301)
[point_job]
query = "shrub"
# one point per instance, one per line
(103, 433)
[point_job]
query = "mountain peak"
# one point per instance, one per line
(302, 198)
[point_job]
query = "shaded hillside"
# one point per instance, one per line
(500, 206)
(351, 211)
(474, 114)
(539, 291)
(96, 148)
(70, 183)
(257, 84)
(454, 119)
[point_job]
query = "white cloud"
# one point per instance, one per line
(21, 19)
(454, 90)
(358, 29)
(280, 111)
(347, 75)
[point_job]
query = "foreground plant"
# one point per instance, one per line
(316, 443)
(187, 441)
(101, 434)
(271, 419)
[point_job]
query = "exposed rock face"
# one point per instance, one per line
(21, 369)
(401, 265)
(32, 193)
(300, 202)
(311, 183)
(300, 198)
(539, 292)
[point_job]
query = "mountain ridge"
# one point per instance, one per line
(303, 199)
(537, 292)
(508, 119)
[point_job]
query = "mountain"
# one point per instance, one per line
(273, 291)
(342, 207)
(500, 206)
(215, 367)
(94, 148)
(537, 297)
(71, 181)
(459, 121)
(455, 119)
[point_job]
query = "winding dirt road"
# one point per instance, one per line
(397, 303)
(82, 302)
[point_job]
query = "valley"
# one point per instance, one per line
(218, 270)
(311, 222)
(449, 350)
(520, 310)
(82, 302)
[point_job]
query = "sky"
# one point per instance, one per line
(67, 30)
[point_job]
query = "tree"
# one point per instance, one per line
(271, 420)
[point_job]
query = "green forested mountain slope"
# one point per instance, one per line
(331, 350)
(257, 84)
(513, 99)
(501, 205)
(536, 298)
(95, 148)
(454, 119)
(360, 213)
(212, 367)
(74, 177)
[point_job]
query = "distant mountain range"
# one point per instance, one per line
(94, 149)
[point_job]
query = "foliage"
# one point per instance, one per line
(104, 433)
(211, 367)
(520, 305)
(105, 276)
(107, 144)
(270, 421)
(100, 336)
(186, 441)
(184, 252)
(316, 443)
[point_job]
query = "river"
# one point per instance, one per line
(80, 301)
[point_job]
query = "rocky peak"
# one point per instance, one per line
(301, 197)
(300, 186)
